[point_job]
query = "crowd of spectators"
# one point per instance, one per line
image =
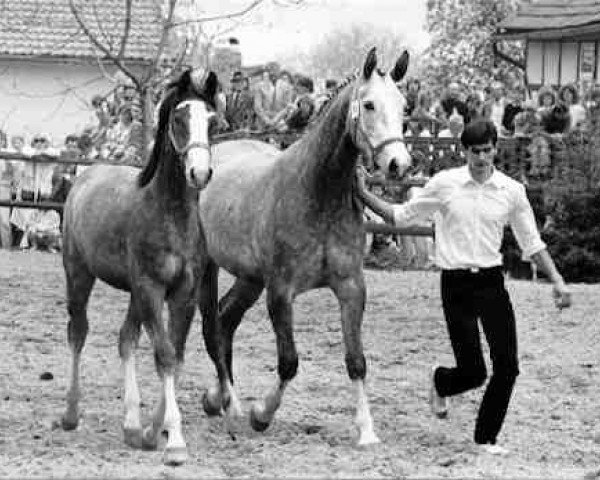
(514, 111)
(268, 101)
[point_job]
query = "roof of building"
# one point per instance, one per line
(48, 28)
(553, 19)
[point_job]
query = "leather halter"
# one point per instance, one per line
(358, 127)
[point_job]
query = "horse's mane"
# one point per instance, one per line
(332, 95)
(167, 104)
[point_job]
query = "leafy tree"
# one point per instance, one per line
(462, 44)
(341, 51)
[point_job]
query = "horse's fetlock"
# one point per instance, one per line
(356, 366)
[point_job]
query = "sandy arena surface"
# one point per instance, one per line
(552, 428)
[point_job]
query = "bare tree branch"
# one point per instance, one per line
(117, 61)
(126, 28)
(163, 39)
(224, 16)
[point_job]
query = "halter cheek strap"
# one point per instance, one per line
(183, 151)
(357, 128)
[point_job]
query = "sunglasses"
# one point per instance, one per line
(478, 150)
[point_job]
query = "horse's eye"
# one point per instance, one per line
(369, 105)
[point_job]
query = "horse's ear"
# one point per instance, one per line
(400, 68)
(211, 85)
(370, 63)
(185, 79)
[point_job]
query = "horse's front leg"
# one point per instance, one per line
(351, 294)
(149, 298)
(279, 304)
(129, 336)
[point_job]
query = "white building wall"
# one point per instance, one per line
(42, 96)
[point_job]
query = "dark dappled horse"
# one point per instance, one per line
(288, 222)
(138, 231)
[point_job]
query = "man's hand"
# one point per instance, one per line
(361, 178)
(562, 296)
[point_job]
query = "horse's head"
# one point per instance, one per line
(190, 122)
(375, 117)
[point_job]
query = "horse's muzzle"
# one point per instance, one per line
(200, 179)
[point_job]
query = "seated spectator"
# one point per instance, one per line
(43, 231)
(239, 104)
(570, 97)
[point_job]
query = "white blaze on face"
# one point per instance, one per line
(386, 122)
(197, 159)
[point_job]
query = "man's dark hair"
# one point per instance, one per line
(479, 132)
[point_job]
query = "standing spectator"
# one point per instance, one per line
(330, 86)
(451, 100)
(123, 139)
(239, 109)
(264, 95)
(35, 184)
(570, 97)
(472, 203)
(513, 107)
(297, 115)
(413, 87)
(494, 109)
(475, 107)
(455, 126)
(284, 92)
(546, 100)
(6, 180)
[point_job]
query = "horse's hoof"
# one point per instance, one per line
(368, 439)
(175, 456)
(69, 423)
(133, 437)
(209, 408)
(257, 424)
(149, 441)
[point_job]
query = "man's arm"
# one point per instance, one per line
(562, 295)
(523, 224)
(419, 207)
(379, 206)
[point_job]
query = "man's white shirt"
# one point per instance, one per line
(470, 217)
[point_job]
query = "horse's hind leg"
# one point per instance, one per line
(279, 304)
(79, 286)
(129, 336)
(218, 334)
(351, 295)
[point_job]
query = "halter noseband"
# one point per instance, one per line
(358, 127)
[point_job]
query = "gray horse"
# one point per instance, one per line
(288, 222)
(139, 232)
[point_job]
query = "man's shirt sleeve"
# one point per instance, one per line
(522, 222)
(422, 206)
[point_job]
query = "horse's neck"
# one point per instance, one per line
(330, 155)
(171, 189)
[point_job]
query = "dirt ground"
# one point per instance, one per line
(552, 428)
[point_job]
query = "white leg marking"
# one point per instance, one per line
(132, 396)
(363, 419)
